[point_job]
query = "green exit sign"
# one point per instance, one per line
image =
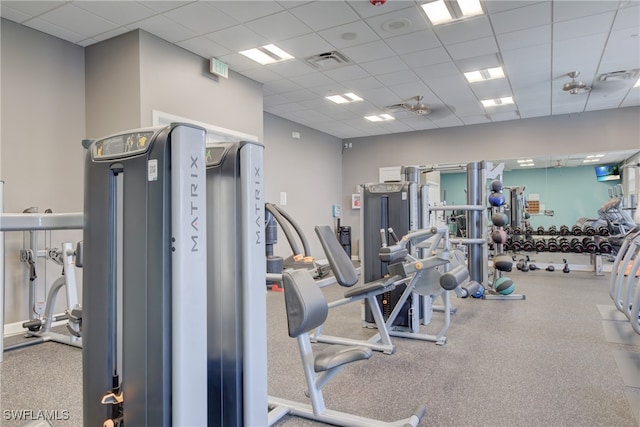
(219, 68)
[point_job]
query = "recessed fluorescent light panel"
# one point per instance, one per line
(525, 161)
(440, 11)
(267, 54)
(497, 102)
(482, 75)
(595, 156)
(527, 165)
(380, 117)
(594, 160)
(637, 83)
(344, 98)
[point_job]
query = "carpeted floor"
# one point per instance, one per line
(544, 361)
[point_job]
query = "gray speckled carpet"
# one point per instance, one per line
(539, 362)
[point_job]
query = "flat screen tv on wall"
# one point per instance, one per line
(607, 173)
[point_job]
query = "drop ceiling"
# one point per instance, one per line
(393, 50)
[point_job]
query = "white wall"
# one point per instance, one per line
(607, 130)
(43, 124)
(308, 170)
(176, 81)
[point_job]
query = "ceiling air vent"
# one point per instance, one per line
(327, 60)
(617, 76)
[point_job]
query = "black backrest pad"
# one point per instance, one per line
(339, 261)
(306, 305)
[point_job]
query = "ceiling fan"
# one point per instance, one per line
(575, 86)
(416, 106)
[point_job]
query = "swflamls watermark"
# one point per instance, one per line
(36, 415)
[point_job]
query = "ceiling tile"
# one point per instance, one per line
(521, 18)
(566, 57)
(472, 48)
(262, 74)
(426, 57)
(304, 46)
(32, 8)
(363, 84)
(200, 17)
(474, 120)
(530, 61)
(491, 89)
(243, 11)
(351, 34)
(165, 28)
(409, 90)
(369, 51)
(461, 31)
(279, 26)
(350, 72)
(569, 10)
(320, 15)
(478, 62)
(366, 10)
(435, 71)
(382, 97)
(125, 13)
(237, 38)
(204, 47)
(501, 6)
(78, 20)
(398, 22)
(632, 98)
(580, 27)
(300, 95)
(312, 80)
(627, 18)
(110, 34)
(399, 77)
(525, 38)
(290, 68)
(385, 66)
(333, 88)
(622, 51)
(13, 14)
(49, 28)
(162, 6)
(413, 42)
(281, 86)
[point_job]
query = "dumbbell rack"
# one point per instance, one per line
(564, 240)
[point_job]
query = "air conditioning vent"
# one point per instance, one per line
(328, 60)
(617, 76)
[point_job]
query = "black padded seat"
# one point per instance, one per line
(376, 285)
(337, 355)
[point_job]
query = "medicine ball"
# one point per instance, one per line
(499, 236)
(496, 185)
(504, 286)
(499, 219)
(503, 262)
(496, 199)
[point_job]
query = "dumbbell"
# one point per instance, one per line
(507, 229)
(528, 230)
(564, 230)
(552, 244)
(552, 231)
(605, 247)
(541, 245)
(517, 230)
(540, 230)
(589, 230)
(565, 246)
(516, 245)
(528, 246)
(603, 230)
(577, 246)
(589, 245)
(576, 230)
